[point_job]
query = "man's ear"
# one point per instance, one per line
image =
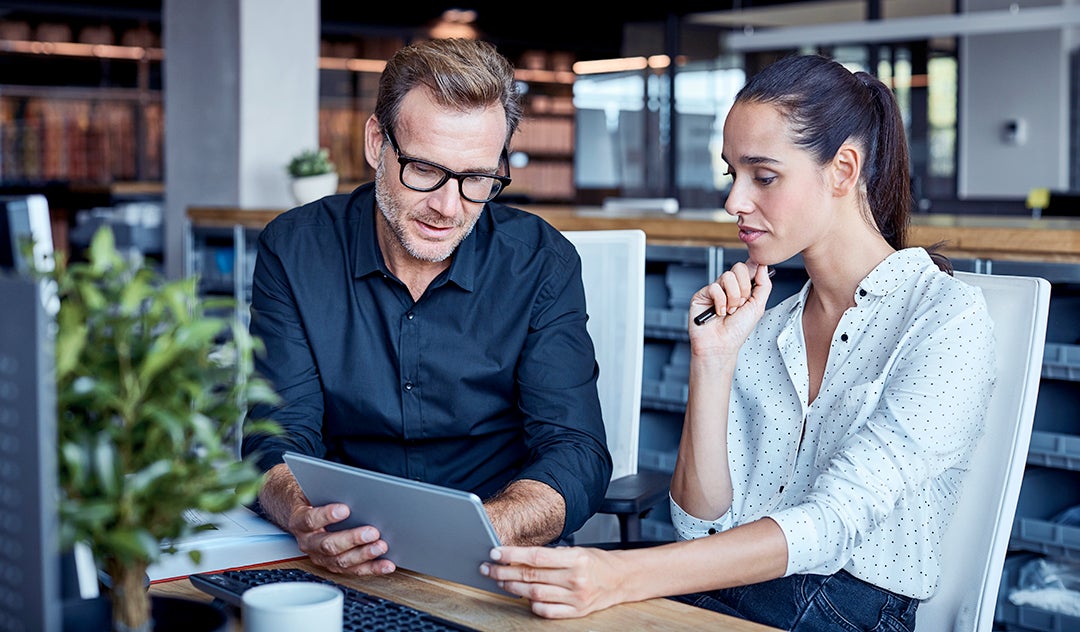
(373, 141)
(844, 170)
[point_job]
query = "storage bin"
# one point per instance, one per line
(1026, 617)
(655, 354)
(666, 323)
(1061, 362)
(1052, 449)
(658, 440)
(1045, 494)
(682, 282)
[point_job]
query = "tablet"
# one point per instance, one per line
(429, 529)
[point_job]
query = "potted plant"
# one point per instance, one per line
(313, 175)
(151, 389)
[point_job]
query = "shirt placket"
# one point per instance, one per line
(409, 370)
(792, 351)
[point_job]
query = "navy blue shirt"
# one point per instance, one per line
(488, 378)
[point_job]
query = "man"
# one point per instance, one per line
(417, 328)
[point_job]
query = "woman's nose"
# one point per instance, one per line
(738, 202)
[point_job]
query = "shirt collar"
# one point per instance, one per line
(368, 257)
(895, 270)
(885, 277)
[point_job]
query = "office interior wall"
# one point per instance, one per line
(279, 104)
(1013, 77)
(241, 96)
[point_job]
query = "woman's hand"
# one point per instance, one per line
(561, 582)
(738, 298)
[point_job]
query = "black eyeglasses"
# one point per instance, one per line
(425, 176)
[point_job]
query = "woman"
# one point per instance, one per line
(825, 441)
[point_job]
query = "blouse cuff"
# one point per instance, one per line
(688, 527)
(803, 539)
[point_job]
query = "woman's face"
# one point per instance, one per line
(778, 192)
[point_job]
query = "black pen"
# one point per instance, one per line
(710, 313)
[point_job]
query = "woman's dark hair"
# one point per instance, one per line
(827, 105)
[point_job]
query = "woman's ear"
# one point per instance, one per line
(844, 170)
(373, 141)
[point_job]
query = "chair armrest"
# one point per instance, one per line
(635, 493)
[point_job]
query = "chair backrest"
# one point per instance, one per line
(974, 546)
(613, 270)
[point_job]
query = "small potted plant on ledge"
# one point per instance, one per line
(151, 395)
(313, 175)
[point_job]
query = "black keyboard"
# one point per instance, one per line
(362, 611)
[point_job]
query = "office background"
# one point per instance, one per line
(248, 83)
(990, 113)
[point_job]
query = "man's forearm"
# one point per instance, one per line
(281, 495)
(527, 512)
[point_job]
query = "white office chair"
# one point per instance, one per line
(613, 271)
(974, 547)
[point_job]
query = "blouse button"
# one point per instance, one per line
(862, 292)
(712, 531)
(843, 337)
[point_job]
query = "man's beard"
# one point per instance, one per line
(391, 210)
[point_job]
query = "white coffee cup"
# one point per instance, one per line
(291, 606)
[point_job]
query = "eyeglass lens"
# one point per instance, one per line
(428, 177)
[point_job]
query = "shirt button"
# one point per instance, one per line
(712, 531)
(862, 292)
(843, 337)
(410, 315)
(408, 386)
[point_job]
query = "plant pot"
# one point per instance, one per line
(311, 188)
(169, 614)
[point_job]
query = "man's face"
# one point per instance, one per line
(430, 225)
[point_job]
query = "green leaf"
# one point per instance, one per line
(148, 403)
(102, 250)
(161, 354)
(105, 466)
(144, 478)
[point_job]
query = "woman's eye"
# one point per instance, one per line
(765, 180)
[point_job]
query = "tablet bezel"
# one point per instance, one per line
(428, 528)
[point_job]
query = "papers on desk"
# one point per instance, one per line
(240, 538)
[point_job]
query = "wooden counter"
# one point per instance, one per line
(965, 236)
(498, 612)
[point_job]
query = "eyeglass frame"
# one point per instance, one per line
(405, 160)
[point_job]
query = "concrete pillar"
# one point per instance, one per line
(241, 97)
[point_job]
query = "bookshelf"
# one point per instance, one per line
(80, 135)
(114, 131)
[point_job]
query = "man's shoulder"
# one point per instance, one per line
(328, 211)
(521, 227)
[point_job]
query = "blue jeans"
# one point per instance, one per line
(814, 603)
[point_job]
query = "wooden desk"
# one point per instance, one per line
(969, 236)
(498, 613)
